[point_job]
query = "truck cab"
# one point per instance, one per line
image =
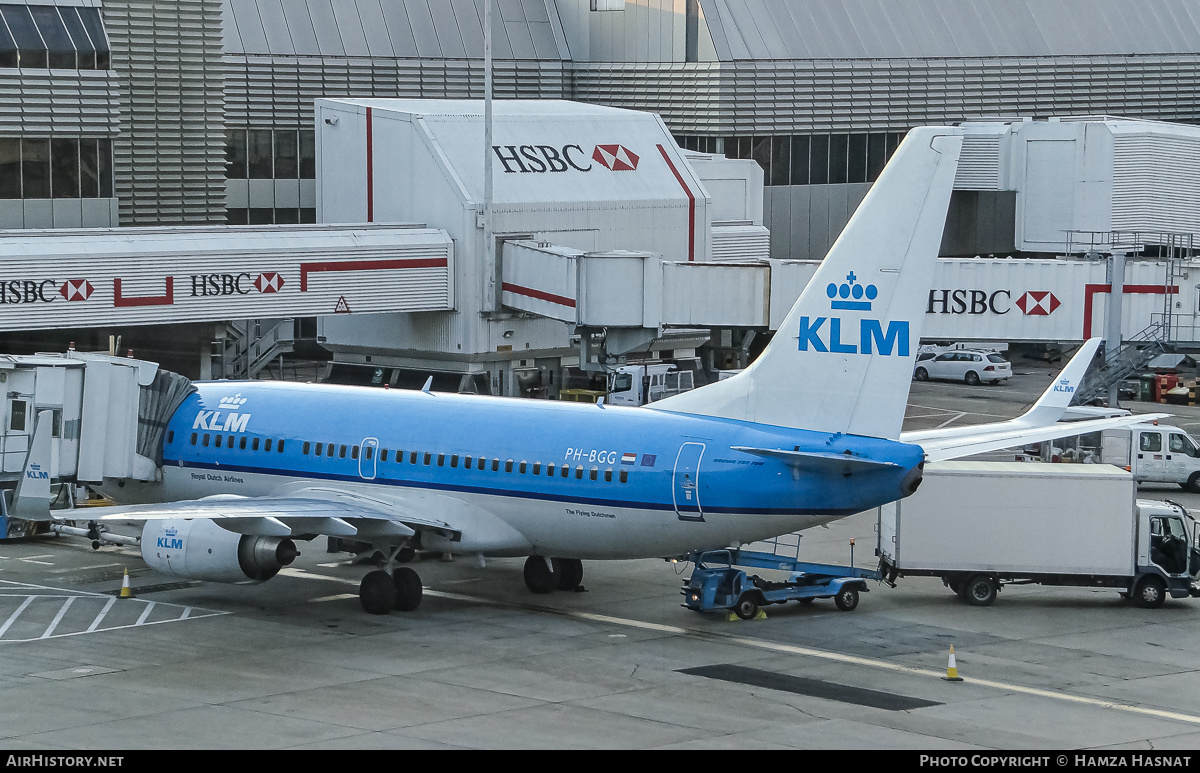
(642, 384)
(1168, 556)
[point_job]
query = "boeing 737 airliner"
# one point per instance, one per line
(808, 433)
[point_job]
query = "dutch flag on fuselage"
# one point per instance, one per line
(628, 458)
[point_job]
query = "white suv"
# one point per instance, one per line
(969, 365)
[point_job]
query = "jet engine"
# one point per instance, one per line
(200, 550)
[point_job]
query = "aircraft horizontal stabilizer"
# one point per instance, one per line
(818, 460)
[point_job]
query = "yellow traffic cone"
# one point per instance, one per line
(126, 591)
(952, 669)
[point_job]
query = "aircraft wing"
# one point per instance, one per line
(1001, 436)
(1040, 422)
(300, 510)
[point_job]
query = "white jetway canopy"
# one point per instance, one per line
(141, 276)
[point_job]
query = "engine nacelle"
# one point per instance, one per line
(200, 550)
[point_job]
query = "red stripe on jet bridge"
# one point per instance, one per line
(366, 265)
(1091, 290)
(166, 299)
(541, 295)
(370, 174)
(691, 204)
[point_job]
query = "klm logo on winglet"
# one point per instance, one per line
(35, 472)
(1064, 386)
(871, 336)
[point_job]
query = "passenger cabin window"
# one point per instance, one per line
(454, 460)
(354, 452)
(193, 438)
(279, 447)
(242, 443)
(305, 448)
(204, 442)
(579, 472)
(441, 460)
(370, 453)
(412, 458)
(508, 465)
(495, 465)
(592, 473)
(1150, 441)
(229, 442)
(383, 455)
(550, 469)
(608, 476)
(482, 463)
(171, 436)
(537, 468)
(267, 445)
(624, 476)
(428, 458)
(329, 450)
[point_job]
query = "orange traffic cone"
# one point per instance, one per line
(952, 669)
(126, 591)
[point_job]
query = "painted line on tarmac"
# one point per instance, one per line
(790, 649)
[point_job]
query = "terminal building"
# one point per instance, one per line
(133, 113)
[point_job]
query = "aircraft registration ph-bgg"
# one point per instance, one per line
(808, 433)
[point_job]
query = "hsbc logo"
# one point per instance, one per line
(1040, 303)
(76, 290)
(542, 159)
(236, 284)
(618, 158)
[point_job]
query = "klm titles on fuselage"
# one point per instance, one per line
(871, 337)
(233, 420)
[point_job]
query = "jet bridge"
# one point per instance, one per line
(108, 413)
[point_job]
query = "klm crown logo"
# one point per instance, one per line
(871, 339)
(232, 403)
(850, 290)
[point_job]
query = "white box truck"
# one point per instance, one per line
(1153, 453)
(980, 525)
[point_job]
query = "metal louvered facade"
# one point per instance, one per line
(169, 156)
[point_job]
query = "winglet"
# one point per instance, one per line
(1050, 407)
(31, 500)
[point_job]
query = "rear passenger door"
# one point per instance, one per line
(1151, 459)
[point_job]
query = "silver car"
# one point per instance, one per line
(969, 365)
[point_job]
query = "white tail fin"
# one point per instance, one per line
(31, 500)
(842, 360)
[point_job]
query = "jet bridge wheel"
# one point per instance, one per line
(377, 592)
(408, 589)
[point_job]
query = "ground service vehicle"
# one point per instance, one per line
(980, 525)
(641, 384)
(1153, 453)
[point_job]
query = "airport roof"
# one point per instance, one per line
(859, 29)
(417, 29)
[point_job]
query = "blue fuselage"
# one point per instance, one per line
(575, 479)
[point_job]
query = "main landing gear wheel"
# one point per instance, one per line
(377, 592)
(408, 589)
(541, 577)
(570, 573)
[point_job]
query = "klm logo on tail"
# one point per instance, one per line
(871, 336)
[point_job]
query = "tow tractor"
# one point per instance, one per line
(717, 584)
